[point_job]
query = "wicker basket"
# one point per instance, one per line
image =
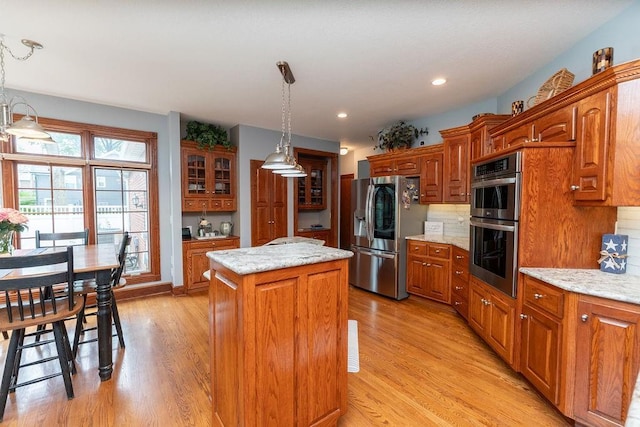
(558, 83)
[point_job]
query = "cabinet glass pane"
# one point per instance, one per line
(196, 174)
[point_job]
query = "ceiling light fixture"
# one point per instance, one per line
(27, 126)
(282, 160)
(342, 115)
(344, 151)
(439, 81)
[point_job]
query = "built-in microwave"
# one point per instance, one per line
(495, 189)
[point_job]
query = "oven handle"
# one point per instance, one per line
(493, 226)
(494, 182)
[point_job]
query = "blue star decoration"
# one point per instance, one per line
(611, 245)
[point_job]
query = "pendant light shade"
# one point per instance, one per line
(26, 127)
(282, 161)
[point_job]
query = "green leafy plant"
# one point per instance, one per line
(398, 135)
(207, 135)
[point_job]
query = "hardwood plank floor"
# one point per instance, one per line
(420, 365)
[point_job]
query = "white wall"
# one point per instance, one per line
(629, 224)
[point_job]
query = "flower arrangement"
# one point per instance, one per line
(12, 220)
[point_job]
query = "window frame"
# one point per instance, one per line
(86, 162)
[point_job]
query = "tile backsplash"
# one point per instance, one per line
(456, 223)
(629, 223)
(454, 217)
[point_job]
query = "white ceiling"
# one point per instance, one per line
(214, 60)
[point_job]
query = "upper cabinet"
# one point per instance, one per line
(431, 178)
(481, 142)
(312, 189)
(456, 165)
(208, 178)
(599, 118)
(401, 162)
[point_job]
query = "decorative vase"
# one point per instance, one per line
(6, 241)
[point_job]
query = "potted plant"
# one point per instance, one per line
(398, 135)
(207, 135)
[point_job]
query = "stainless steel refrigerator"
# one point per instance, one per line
(385, 211)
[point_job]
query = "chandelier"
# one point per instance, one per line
(282, 160)
(27, 126)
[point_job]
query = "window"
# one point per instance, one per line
(94, 177)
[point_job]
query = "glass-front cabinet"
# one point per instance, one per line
(208, 178)
(312, 194)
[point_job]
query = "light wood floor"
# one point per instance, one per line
(420, 365)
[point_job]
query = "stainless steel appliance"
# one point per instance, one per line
(495, 211)
(385, 211)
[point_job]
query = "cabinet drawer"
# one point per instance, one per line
(415, 247)
(460, 257)
(460, 305)
(460, 288)
(543, 296)
(439, 251)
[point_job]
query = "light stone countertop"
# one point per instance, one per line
(619, 287)
(461, 242)
(273, 257)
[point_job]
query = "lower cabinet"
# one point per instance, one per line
(428, 270)
(607, 360)
(541, 349)
(492, 316)
(322, 234)
(460, 281)
(195, 261)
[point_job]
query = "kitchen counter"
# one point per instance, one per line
(274, 312)
(461, 242)
(619, 287)
(272, 257)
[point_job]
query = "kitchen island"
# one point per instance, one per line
(278, 335)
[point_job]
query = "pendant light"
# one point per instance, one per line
(27, 126)
(282, 161)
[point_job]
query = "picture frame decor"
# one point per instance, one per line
(613, 253)
(556, 84)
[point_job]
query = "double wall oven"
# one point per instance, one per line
(495, 210)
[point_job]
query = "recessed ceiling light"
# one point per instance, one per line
(439, 82)
(342, 115)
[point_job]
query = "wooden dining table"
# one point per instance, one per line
(89, 262)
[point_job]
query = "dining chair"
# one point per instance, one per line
(23, 305)
(87, 288)
(63, 238)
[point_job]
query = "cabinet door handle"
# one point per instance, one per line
(458, 272)
(574, 187)
(459, 257)
(538, 296)
(462, 194)
(424, 263)
(459, 288)
(523, 316)
(437, 251)
(428, 264)
(457, 303)
(584, 317)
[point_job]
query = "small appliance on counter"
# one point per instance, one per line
(225, 228)
(186, 233)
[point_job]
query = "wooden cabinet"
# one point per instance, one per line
(492, 316)
(322, 234)
(428, 270)
(514, 138)
(460, 280)
(312, 189)
(278, 343)
(607, 360)
(557, 126)
(208, 178)
(431, 178)
(456, 171)
(268, 205)
(195, 261)
(541, 349)
(480, 140)
(403, 162)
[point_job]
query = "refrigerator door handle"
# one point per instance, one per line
(376, 254)
(369, 213)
